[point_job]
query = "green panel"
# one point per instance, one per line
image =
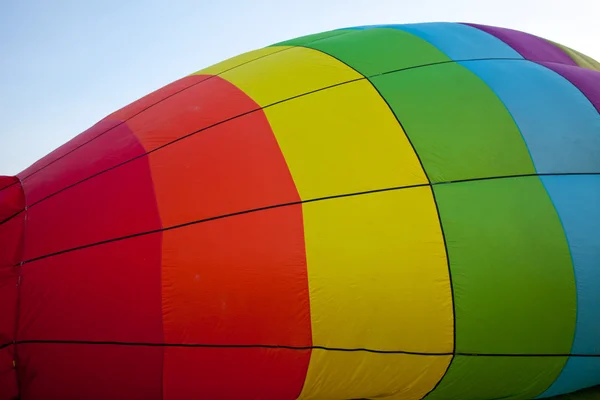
(506, 378)
(459, 127)
(581, 59)
(513, 284)
(378, 50)
(303, 40)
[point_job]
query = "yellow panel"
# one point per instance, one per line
(378, 279)
(343, 140)
(239, 60)
(289, 73)
(580, 59)
(392, 376)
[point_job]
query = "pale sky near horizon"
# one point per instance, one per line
(65, 65)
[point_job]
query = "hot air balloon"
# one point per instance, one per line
(397, 212)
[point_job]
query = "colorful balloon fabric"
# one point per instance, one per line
(394, 212)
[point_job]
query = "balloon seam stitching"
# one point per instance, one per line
(293, 203)
(290, 347)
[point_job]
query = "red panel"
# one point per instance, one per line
(90, 372)
(235, 374)
(11, 197)
(114, 204)
(212, 101)
(150, 100)
(237, 281)
(103, 293)
(236, 166)
(11, 238)
(7, 181)
(8, 378)
(8, 305)
(107, 292)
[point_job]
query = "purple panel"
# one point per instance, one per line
(531, 47)
(586, 80)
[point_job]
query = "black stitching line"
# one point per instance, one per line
(293, 203)
(12, 216)
(289, 347)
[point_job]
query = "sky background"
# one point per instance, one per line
(64, 65)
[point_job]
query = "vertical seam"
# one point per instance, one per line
(368, 79)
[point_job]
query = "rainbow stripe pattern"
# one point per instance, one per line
(399, 212)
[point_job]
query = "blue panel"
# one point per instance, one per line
(577, 200)
(559, 124)
(457, 41)
(461, 42)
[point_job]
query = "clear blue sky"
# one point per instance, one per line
(65, 64)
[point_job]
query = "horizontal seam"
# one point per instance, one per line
(299, 202)
(290, 347)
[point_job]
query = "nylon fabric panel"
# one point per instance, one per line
(8, 379)
(289, 73)
(88, 294)
(560, 126)
(190, 112)
(460, 42)
(239, 60)
(343, 140)
(102, 293)
(576, 199)
(107, 292)
(11, 241)
(72, 371)
(458, 126)
(531, 47)
(514, 378)
(12, 199)
(235, 373)
(12, 219)
(378, 50)
(346, 375)
(514, 288)
(378, 280)
(584, 79)
(231, 282)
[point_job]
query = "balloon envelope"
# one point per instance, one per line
(399, 212)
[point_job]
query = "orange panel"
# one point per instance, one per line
(237, 281)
